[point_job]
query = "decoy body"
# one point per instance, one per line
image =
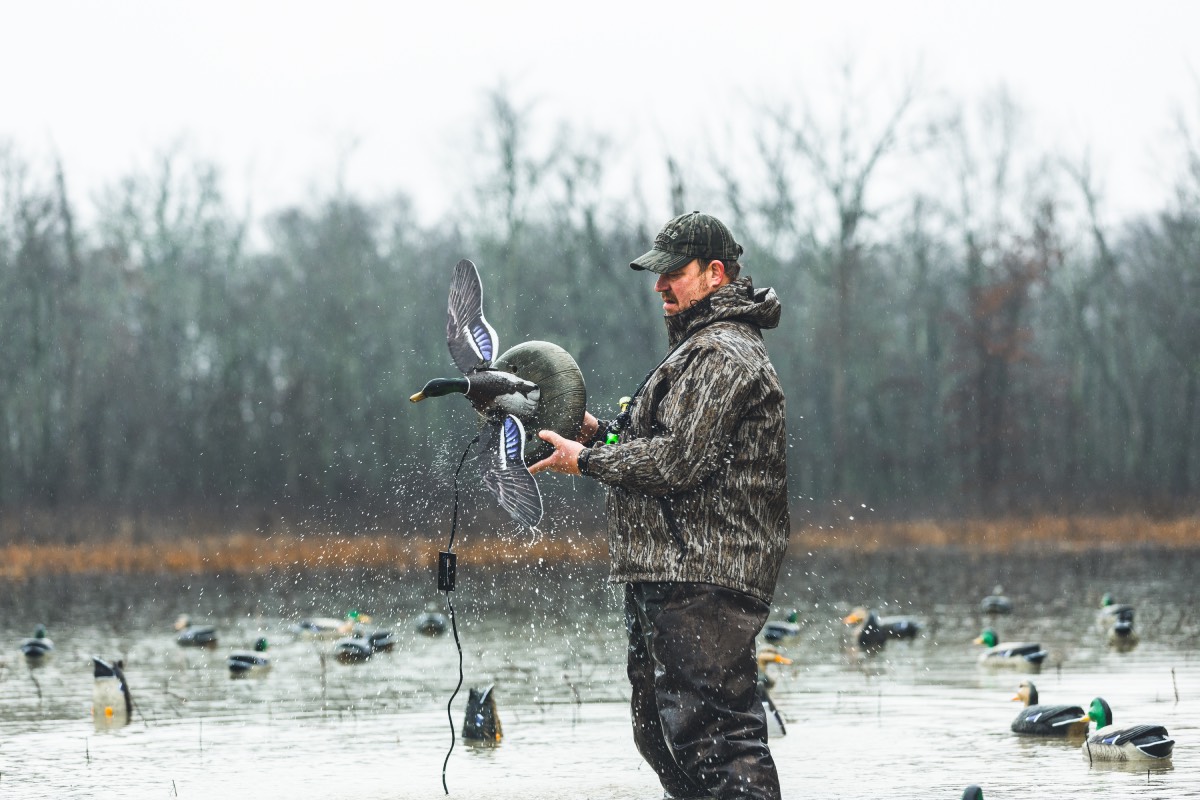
(432, 622)
(249, 662)
(502, 398)
(776, 631)
(481, 722)
(320, 628)
(111, 702)
(1116, 619)
(361, 645)
(328, 627)
(194, 635)
(872, 631)
(996, 602)
(1046, 720)
(533, 386)
(38, 647)
(765, 657)
(1012, 655)
(1112, 742)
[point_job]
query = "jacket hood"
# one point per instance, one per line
(737, 300)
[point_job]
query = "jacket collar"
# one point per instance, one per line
(737, 300)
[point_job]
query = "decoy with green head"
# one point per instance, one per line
(532, 386)
(1111, 742)
(1026, 656)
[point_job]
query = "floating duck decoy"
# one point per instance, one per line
(481, 722)
(776, 631)
(1013, 655)
(1116, 619)
(1110, 742)
(996, 602)
(38, 647)
(111, 702)
(1046, 720)
(765, 657)
(872, 631)
(328, 627)
(533, 386)
(249, 662)
(433, 622)
(194, 635)
(360, 646)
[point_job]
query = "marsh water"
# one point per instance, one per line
(918, 719)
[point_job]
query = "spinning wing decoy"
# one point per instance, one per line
(502, 464)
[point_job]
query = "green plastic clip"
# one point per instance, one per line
(613, 437)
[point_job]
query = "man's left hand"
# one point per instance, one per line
(564, 459)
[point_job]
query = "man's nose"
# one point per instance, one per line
(661, 284)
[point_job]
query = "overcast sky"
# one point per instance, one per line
(279, 92)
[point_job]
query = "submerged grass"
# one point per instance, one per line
(252, 551)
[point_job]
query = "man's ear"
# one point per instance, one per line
(717, 270)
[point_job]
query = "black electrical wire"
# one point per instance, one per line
(453, 620)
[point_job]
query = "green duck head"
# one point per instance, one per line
(987, 638)
(793, 617)
(1100, 713)
(1106, 600)
(440, 387)
(261, 645)
(40, 633)
(972, 792)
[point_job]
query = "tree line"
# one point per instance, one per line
(983, 339)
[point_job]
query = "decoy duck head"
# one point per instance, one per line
(972, 792)
(1099, 712)
(1027, 693)
(182, 621)
(1106, 600)
(987, 638)
(440, 387)
(261, 645)
(40, 632)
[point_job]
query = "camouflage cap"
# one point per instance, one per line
(687, 237)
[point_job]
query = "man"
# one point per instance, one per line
(697, 516)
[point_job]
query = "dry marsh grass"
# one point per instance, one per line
(252, 551)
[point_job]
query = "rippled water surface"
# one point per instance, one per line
(920, 719)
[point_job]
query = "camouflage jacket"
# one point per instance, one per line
(697, 484)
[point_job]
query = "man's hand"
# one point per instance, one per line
(564, 459)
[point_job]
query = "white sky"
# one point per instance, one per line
(279, 92)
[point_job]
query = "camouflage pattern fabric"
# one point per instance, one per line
(697, 484)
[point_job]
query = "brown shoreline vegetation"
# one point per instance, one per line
(253, 551)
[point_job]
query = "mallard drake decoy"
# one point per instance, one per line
(765, 657)
(1046, 720)
(194, 635)
(361, 645)
(1110, 742)
(500, 397)
(433, 622)
(328, 627)
(872, 631)
(38, 647)
(247, 662)
(111, 702)
(481, 722)
(776, 631)
(996, 602)
(1013, 655)
(1116, 619)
